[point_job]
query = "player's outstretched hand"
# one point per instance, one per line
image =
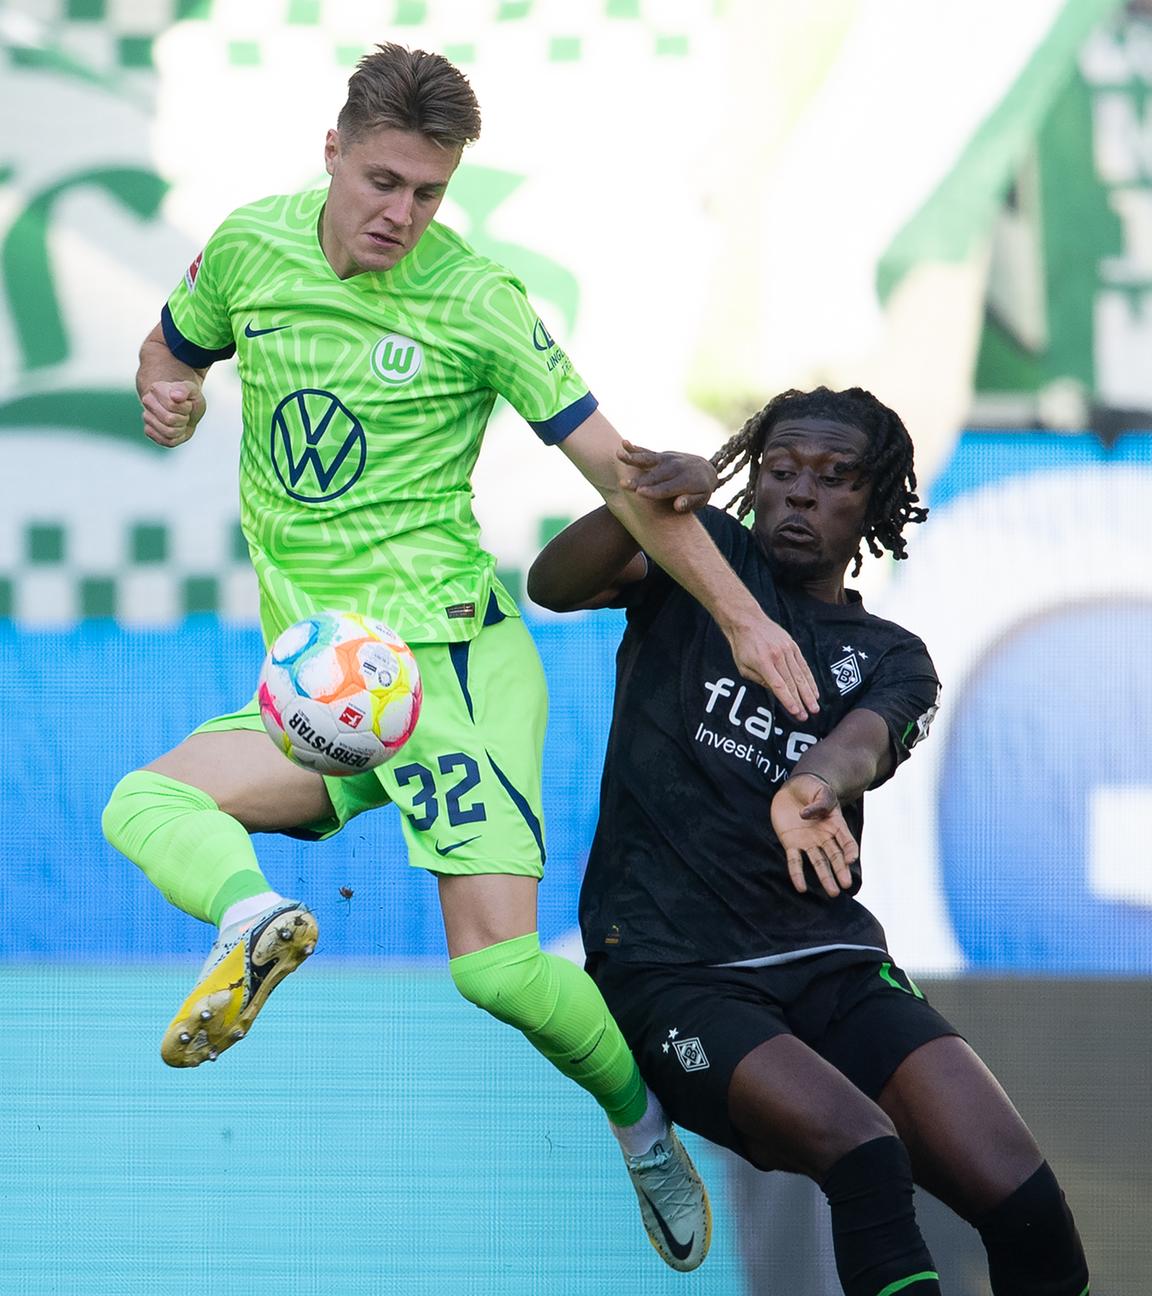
(172, 410)
(807, 819)
(767, 654)
(685, 479)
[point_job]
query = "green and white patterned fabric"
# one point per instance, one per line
(366, 400)
(654, 171)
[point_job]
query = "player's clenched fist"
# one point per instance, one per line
(172, 410)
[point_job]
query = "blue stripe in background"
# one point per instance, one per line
(1056, 708)
(983, 458)
(1022, 776)
(89, 703)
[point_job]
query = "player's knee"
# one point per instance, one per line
(508, 980)
(880, 1160)
(140, 803)
(1037, 1205)
(1032, 1242)
(834, 1141)
(118, 812)
(811, 1139)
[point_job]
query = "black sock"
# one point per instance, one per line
(874, 1230)
(1032, 1244)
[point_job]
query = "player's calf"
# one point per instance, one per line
(874, 1231)
(559, 1010)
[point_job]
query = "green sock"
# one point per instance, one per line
(560, 1012)
(200, 858)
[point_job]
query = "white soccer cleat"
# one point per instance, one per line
(673, 1203)
(246, 963)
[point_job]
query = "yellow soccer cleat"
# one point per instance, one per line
(673, 1203)
(246, 963)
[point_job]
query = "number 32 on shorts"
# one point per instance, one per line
(426, 798)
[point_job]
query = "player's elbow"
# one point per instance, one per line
(154, 343)
(545, 592)
(554, 585)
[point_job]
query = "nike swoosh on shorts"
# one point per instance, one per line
(447, 850)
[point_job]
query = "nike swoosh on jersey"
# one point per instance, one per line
(447, 850)
(249, 331)
(681, 1250)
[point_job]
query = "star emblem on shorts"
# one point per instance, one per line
(674, 1032)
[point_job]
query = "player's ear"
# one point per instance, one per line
(331, 151)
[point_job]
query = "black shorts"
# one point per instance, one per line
(690, 1027)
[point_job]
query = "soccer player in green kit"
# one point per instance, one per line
(372, 344)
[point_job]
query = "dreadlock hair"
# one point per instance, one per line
(887, 463)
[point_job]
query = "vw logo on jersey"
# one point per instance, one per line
(542, 340)
(318, 445)
(397, 359)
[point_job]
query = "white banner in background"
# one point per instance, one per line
(686, 188)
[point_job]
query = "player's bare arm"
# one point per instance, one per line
(763, 652)
(806, 811)
(591, 561)
(171, 392)
(586, 565)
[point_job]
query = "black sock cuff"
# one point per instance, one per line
(878, 1244)
(879, 1158)
(1032, 1243)
(1036, 1192)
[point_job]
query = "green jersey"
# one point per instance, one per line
(364, 405)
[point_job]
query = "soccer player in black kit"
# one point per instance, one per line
(718, 908)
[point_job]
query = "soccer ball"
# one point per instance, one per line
(339, 693)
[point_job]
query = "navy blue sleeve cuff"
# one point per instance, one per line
(196, 357)
(552, 431)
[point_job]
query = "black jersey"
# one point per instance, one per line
(685, 866)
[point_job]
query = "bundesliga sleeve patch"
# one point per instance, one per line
(191, 273)
(917, 731)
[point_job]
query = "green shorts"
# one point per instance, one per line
(467, 782)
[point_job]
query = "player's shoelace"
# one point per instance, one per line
(673, 1203)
